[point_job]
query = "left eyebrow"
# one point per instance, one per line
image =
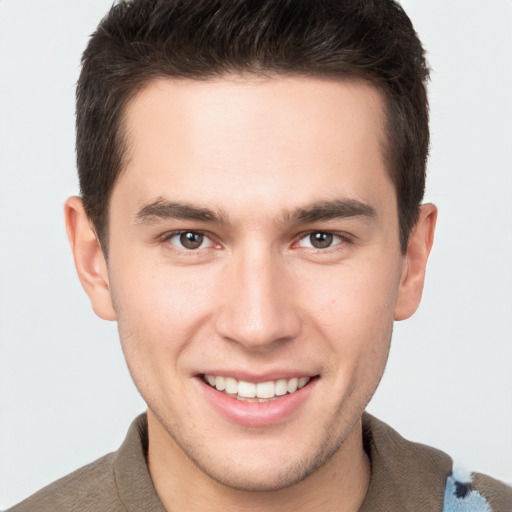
(331, 210)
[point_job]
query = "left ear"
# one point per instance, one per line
(415, 263)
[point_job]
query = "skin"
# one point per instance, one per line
(256, 298)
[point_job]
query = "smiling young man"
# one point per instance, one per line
(252, 176)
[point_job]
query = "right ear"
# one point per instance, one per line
(90, 262)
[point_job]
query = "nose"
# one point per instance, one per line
(256, 308)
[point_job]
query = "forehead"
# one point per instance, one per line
(285, 139)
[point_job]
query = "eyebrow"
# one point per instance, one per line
(162, 209)
(331, 210)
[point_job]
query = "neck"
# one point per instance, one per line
(339, 485)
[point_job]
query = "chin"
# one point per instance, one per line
(278, 471)
(260, 480)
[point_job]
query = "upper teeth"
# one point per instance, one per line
(245, 389)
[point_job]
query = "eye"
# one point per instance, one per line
(320, 240)
(189, 240)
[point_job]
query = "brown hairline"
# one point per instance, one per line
(401, 80)
(121, 149)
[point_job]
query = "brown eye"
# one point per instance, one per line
(321, 240)
(191, 240)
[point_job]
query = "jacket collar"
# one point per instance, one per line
(405, 476)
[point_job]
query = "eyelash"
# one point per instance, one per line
(167, 238)
(341, 238)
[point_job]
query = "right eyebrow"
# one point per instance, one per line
(163, 209)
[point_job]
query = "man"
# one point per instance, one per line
(252, 176)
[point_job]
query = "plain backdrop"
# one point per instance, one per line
(65, 395)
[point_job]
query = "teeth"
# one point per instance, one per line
(252, 392)
(302, 382)
(291, 386)
(246, 389)
(265, 389)
(281, 387)
(231, 386)
(220, 383)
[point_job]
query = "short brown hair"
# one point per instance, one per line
(140, 40)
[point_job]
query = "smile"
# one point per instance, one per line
(255, 392)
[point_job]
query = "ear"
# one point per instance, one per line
(89, 259)
(415, 263)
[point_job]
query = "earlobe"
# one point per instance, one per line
(90, 262)
(415, 262)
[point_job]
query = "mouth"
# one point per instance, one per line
(261, 392)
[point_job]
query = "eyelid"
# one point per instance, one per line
(166, 238)
(344, 238)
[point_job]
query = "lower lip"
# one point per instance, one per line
(257, 414)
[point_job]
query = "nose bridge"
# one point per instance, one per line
(256, 310)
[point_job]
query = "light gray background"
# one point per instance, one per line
(65, 395)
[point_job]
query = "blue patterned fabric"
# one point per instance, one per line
(460, 496)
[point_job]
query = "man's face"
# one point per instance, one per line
(254, 244)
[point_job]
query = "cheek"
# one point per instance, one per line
(351, 307)
(159, 310)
